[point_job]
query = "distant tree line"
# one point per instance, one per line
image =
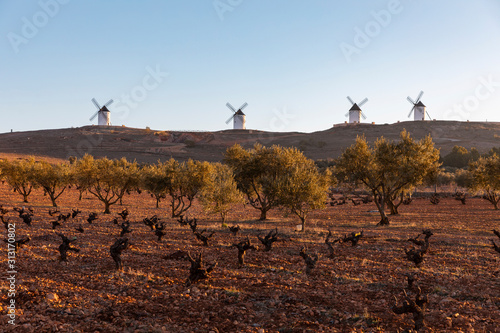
(265, 178)
(460, 157)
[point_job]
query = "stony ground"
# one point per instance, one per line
(351, 292)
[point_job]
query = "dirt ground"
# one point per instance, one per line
(351, 292)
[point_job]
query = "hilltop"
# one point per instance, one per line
(146, 145)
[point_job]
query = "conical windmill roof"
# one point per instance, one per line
(104, 109)
(420, 104)
(239, 113)
(355, 107)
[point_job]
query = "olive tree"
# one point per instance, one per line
(152, 179)
(462, 178)
(485, 178)
(183, 182)
(52, 178)
(19, 175)
(444, 177)
(389, 168)
(256, 172)
(105, 179)
(220, 192)
(301, 187)
(129, 177)
(459, 157)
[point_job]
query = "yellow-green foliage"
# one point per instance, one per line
(301, 187)
(220, 192)
(256, 172)
(485, 177)
(277, 176)
(152, 180)
(183, 182)
(106, 179)
(54, 179)
(389, 169)
(19, 175)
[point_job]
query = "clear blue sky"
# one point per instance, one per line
(284, 57)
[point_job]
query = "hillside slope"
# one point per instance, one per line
(149, 146)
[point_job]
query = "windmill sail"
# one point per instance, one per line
(95, 115)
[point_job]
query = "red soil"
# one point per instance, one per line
(353, 292)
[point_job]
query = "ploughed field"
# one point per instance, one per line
(352, 292)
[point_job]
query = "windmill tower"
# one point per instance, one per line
(355, 112)
(418, 108)
(238, 117)
(103, 112)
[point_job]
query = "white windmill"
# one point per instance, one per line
(239, 118)
(418, 108)
(103, 113)
(355, 112)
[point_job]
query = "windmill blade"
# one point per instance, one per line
(95, 115)
(227, 121)
(350, 100)
(363, 115)
(231, 107)
(243, 106)
(347, 114)
(363, 102)
(409, 114)
(108, 103)
(96, 104)
(410, 100)
(428, 115)
(420, 96)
